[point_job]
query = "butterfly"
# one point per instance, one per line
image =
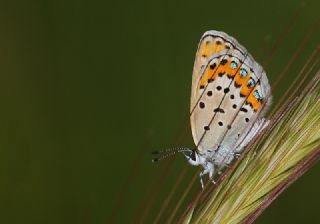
(230, 95)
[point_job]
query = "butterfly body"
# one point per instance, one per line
(229, 97)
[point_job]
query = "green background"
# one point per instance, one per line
(89, 88)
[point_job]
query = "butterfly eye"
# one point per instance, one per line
(243, 72)
(250, 83)
(193, 155)
(233, 65)
(257, 95)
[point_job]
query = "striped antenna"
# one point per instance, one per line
(168, 152)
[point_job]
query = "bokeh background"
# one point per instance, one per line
(89, 88)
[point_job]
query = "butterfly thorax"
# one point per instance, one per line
(219, 156)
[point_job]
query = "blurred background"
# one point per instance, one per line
(89, 88)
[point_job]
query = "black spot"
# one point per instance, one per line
(219, 110)
(207, 42)
(247, 119)
(219, 88)
(220, 74)
(218, 42)
(232, 96)
(209, 93)
(223, 61)
(201, 105)
(249, 103)
(251, 70)
(234, 106)
(204, 55)
(202, 87)
(229, 126)
(238, 134)
(206, 128)
(230, 76)
(220, 123)
(243, 109)
(227, 47)
(210, 80)
(236, 85)
(213, 66)
(226, 90)
(241, 95)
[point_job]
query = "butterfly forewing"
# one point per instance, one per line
(212, 42)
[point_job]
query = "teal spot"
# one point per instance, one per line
(257, 95)
(233, 65)
(243, 72)
(250, 83)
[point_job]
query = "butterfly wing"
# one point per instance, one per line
(229, 92)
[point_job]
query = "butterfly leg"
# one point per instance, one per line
(202, 173)
(201, 181)
(208, 169)
(211, 172)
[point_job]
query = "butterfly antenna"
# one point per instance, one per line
(168, 152)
